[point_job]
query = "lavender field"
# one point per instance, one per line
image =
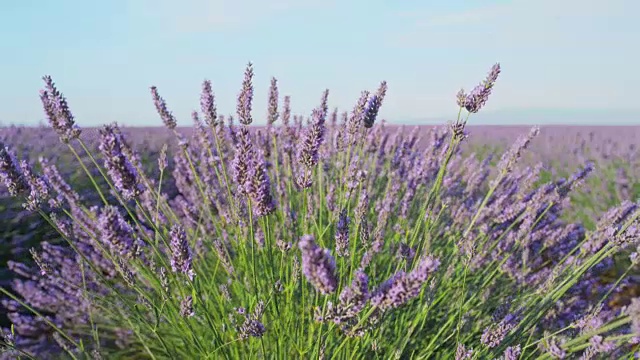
(330, 236)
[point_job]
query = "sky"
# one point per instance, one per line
(567, 61)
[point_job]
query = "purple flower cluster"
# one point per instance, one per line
(272, 114)
(118, 165)
(477, 98)
(314, 136)
(161, 107)
(260, 189)
(251, 325)
(245, 98)
(318, 265)
(208, 105)
(57, 111)
(402, 287)
(342, 234)
(181, 257)
(11, 173)
(116, 232)
(373, 106)
(354, 297)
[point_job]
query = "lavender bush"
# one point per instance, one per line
(313, 238)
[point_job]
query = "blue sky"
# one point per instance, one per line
(566, 61)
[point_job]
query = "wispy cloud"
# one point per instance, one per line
(214, 15)
(465, 17)
(530, 22)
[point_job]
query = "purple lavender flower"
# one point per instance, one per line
(286, 111)
(161, 107)
(345, 314)
(118, 165)
(405, 252)
(633, 311)
(598, 346)
(493, 335)
(553, 348)
(272, 115)
(510, 157)
(125, 271)
(402, 287)
(303, 180)
(44, 266)
(244, 162)
(462, 353)
(330, 200)
(461, 98)
(480, 94)
(342, 234)
(283, 245)
(38, 188)
(57, 111)
(180, 252)
(10, 172)
(246, 97)
(186, 307)
(223, 256)
(356, 118)
(252, 325)
(318, 265)
(310, 145)
(58, 184)
(208, 105)
(575, 180)
(512, 353)
(162, 158)
(373, 106)
(261, 190)
(353, 298)
(116, 232)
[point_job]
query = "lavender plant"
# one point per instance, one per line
(333, 240)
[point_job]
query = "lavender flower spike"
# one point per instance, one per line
(462, 353)
(57, 111)
(273, 114)
(286, 111)
(118, 165)
(246, 97)
(402, 287)
(180, 252)
(10, 172)
(353, 298)
(244, 161)
(208, 105)
(308, 151)
(318, 265)
(116, 232)
(342, 234)
(373, 106)
(354, 121)
(186, 307)
(512, 352)
(261, 189)
(161, 107)
(480, 94)
(38, 187)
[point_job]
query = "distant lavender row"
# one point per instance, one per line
(566, 145)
